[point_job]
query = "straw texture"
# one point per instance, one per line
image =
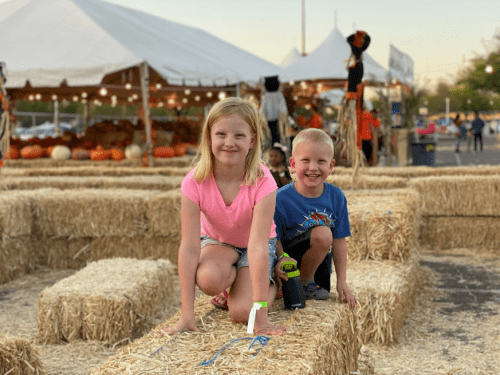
(320, 339)
(164, 213)
(362, 181)
(95, 171)
(108, 300)
(385, 292)
(18, 357)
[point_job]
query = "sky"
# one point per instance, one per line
(441, 36)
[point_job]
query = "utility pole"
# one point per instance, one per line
(303, 27)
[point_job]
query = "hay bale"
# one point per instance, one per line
(18, 357)
(93, 213)
(384, 224)
(143, 182)
(385, 292)
(109, 300)
(16, 218)
(350, 182)
(459, 195)
(460, 231)
(164, 213)
(420, 171)
(16, 257)
(62, 252)
(320, 339)
(157, 247)
(97, 171)
(56, 182)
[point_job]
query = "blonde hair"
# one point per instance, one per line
(205, 160)
(314, 135)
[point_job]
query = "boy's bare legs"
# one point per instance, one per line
(321, 240)
(240, 303)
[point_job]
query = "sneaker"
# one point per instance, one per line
(314, 291)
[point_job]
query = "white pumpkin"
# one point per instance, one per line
(60, 152)
(133, 152)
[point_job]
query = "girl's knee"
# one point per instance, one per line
(211, 280)
(321, 237)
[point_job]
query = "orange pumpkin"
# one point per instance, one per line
(302, 121)
(13, 153)
(163, 152)
(100, 154)
(117, 154)
(48, 151)
(31, 152)
(180, 149)
(79, 153)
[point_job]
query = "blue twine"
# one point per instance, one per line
(262, 339)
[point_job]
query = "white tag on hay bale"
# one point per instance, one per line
(17, 356)
(320, 339)
(109, 300)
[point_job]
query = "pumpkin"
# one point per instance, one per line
(180, 149)
(100, 154)
(163, 152)
(60, 152)
(133, 152)
(32, 152)
(13, 153)
(302, 121)
(80, 154)
(117, 154)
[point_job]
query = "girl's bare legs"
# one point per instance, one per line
(216, 271)
(240, 303)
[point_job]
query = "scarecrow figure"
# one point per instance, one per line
(359, 42)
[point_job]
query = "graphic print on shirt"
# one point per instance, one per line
(317, 218)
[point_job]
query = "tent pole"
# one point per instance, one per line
(144, 71)
(85, 117)
(56, 118)
(303, 27)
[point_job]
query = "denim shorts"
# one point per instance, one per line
(242, 260)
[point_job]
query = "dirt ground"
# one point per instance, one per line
(453, 328)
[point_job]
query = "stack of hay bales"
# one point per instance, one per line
(109, 300)
(383, 269)
(459, 211)
(18, 357)
(321, 339)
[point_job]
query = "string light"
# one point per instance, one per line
(160, 104)
(31, 98)
(222, 95)
(103, 91)
(158, 85)
(54, 97)
(171, 101)
(489, 69)
(130, 99)
(84, 94)
(135, 96)
(187, 91)
(197, 98)
(128, 86)
(38, 96)
(75, 98)
(184, 100)
(209, 94)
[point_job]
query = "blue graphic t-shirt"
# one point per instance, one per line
(296, 214)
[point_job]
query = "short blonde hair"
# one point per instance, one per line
(314, 135)
(205, 160)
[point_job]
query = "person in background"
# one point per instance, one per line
(368, 133)
(273, 103)
(477, 130)
(278, 165)
(461, 132)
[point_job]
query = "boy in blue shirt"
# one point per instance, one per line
(311, 218)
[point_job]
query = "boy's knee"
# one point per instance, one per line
(321, 237)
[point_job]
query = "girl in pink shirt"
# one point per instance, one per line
(227, 210)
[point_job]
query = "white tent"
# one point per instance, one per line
(328, 61)
(81, 41)
(293, 56)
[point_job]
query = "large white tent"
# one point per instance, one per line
(328, 62)
(79, 42)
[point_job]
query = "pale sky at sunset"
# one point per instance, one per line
(437, 34)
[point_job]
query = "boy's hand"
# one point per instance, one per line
(279, 272)
(345, 295)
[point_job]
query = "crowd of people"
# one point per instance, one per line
(467, 133)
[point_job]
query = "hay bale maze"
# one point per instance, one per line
(459, 211)
(18, 357)
(108, 300)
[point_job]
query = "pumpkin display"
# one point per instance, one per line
(13, 153)
(80, 154)
(302, 121)
(117, 154)
(60, 152)
(32, 152)
(163, 152)
(100, 154)
(48, 151)
(180, 149)
(133, 152)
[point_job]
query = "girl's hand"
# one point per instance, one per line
(181, 325)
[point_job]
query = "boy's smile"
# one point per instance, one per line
(312, 162)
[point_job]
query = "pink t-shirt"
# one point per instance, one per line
(228, 224)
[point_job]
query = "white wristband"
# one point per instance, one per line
(251, 318)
